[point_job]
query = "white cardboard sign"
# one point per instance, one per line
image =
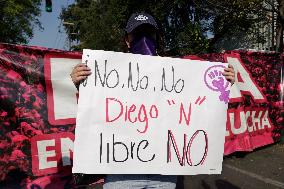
(140, 114)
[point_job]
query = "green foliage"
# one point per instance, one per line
(98, 26)
(17, 18)
(190, 41)
(187, 26)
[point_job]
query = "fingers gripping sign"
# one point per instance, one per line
(229, 74)
(80, 73)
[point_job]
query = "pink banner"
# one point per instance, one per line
(36, 139)
(255, 114)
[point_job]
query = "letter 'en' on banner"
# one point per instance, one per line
(51, 152)
(244, 83)
(61, 93)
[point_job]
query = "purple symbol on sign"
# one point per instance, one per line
(215, 81)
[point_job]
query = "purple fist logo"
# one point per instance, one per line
(215, 81)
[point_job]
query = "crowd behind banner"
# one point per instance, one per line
(37, 130)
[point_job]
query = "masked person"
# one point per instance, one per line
(141, 38)
(141, 34)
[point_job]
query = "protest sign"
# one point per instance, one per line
(141, 114)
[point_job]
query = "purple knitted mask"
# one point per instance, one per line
(143, 45)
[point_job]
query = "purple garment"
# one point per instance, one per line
(143, 45)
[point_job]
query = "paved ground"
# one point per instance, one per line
(260, 169)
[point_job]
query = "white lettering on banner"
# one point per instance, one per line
(51, 152)
(256, 122)
(150, 115)
(43, 154)
(265, 121)
(64, 92)
(242, 126)
(244, 82)
(241, 121)
(61, 92)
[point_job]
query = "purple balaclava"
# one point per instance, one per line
(143, 41)
(143, 45)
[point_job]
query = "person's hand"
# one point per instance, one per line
(229, 74)
(79, 73)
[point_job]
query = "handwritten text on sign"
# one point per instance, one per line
(150, 115)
